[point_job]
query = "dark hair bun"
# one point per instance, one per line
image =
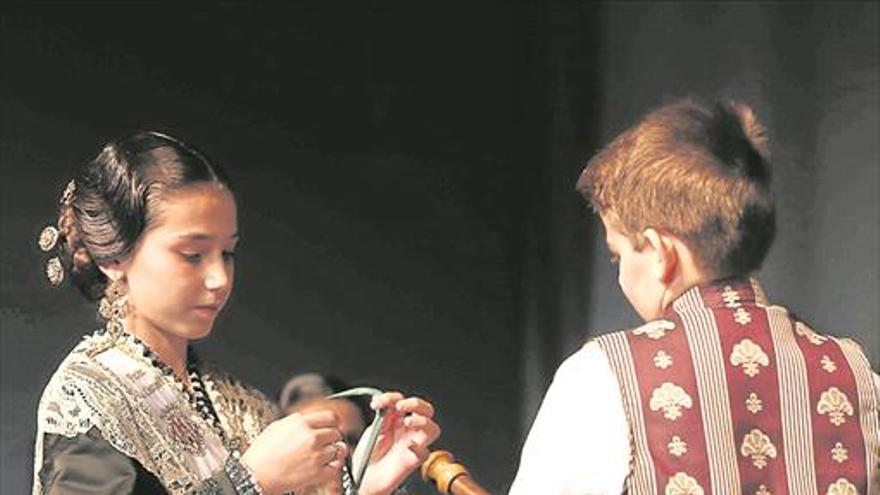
(75, 257)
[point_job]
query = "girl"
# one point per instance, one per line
(149, 229)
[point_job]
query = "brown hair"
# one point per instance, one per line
(117, 195)
(695, 169)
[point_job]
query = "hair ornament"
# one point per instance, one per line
(49, 237)
(48, 241)
(54, 271)
(69, 191)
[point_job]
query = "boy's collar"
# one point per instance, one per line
(729, 292)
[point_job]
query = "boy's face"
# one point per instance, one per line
(637, 271)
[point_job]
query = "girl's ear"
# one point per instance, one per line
(113, 270)
(666, 257)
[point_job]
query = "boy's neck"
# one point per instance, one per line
(688, 274)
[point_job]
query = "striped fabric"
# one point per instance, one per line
(728, 395)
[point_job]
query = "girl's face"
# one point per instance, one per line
(180, 274)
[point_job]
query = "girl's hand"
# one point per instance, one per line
(296, 452)
(407, 431)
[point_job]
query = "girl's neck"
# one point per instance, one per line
(171, 349)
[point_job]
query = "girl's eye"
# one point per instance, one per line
(615, 259)
(192, 257)
(229, 255)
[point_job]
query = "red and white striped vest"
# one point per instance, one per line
(728, 395)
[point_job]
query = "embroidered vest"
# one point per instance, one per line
(727, 395)
(108, 384)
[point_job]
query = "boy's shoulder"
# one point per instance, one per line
(652, 330)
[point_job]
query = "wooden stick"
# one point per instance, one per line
(450, 477)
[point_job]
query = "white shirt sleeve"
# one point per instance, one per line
(579, 442)
(877, 384)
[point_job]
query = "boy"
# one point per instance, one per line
(719, 392)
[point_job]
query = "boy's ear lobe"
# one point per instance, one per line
(666, 256)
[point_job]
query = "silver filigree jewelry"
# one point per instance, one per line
(242, 478)
(48, 238)
(69, 191)
(47, 241)
(112, 307)
(54, 271)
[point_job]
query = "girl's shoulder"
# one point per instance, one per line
(81, 394)
(245, 410)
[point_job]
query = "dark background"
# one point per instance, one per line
(405, 179)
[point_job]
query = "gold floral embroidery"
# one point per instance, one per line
(742, 316)
(136, 375)
(834, 403)
(85, 392)
(808, 333)
(758, 446)
(682, 484)
(762, 490)
(839, 453)
(842, 487)
(654, 329)
(754, 404)
(671, 398)
(731, 297)
(750, 356)
(153, 387)
(184, 431)
(677, 446)
(828, 365)
(662, 360)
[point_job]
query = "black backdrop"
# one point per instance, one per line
(404, 174)
(379, 155)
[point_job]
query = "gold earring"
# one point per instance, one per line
(112, 307)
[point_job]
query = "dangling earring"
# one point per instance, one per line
(112, 307)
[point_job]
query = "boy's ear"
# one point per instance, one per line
(666, 256)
